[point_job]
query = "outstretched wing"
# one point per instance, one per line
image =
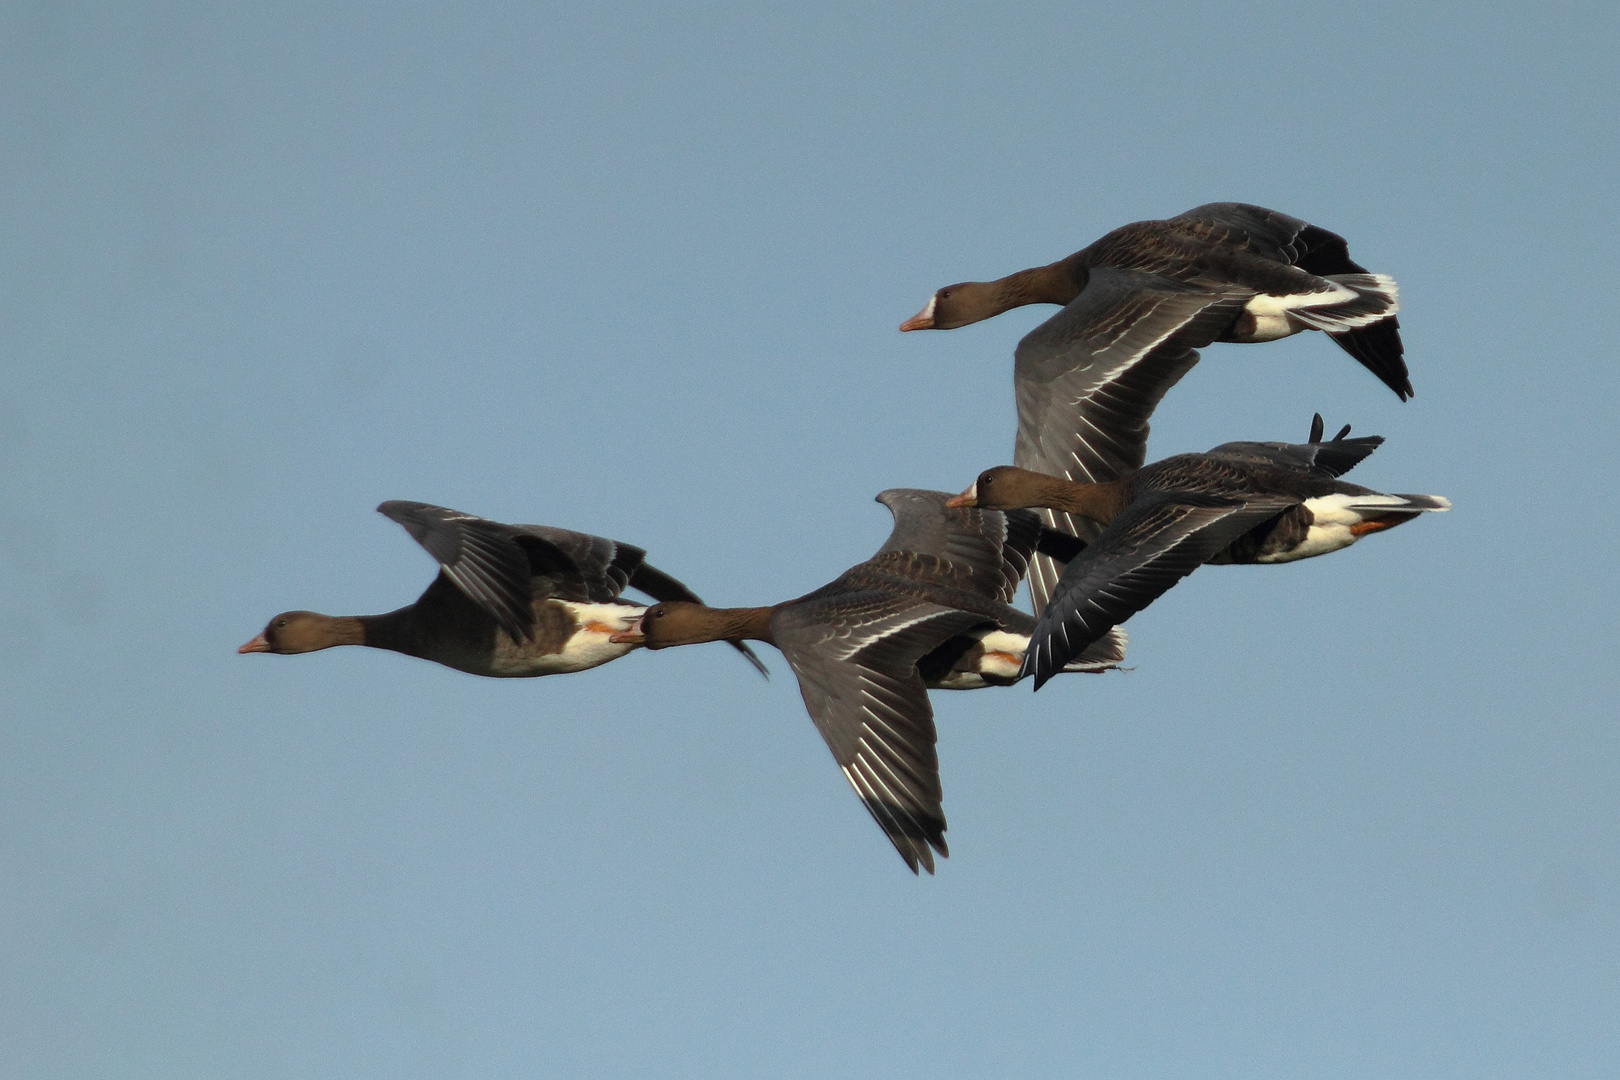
(1270, 235)
(1156, 542)
(580, 566)
(983, 552)
(1088, 379)
(970, 550)
(482, 558)
(856, 658)
(1330, 458)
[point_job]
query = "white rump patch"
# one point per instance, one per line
(1265, 305)
(1333, 517)
(1355, 300)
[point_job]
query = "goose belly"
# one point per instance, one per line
(581, 644)
(993, 661)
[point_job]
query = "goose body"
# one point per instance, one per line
(930, 609)
(1239, 503)
(1286, 274)
(510, 601)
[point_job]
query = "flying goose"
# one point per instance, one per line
(1239, 503)
(510, 601)
(1295, 275)
(930, 609)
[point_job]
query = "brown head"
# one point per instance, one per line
(959, 305)
(1006, 487)
(305, 631)
(974, 301)
(676, 622)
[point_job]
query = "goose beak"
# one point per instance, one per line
(632, 636)
(258, 644)
(970, 497)
(923, 320)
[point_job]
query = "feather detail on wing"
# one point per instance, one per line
(1156, 542)
(983, 552)
(855, 655)
(1326, 458)
(1088, 379)
(480, 557)
(504, 568)
(1272, 235)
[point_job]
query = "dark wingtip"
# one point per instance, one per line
(1316, 428)
(1032, 666)
(749, 655)
(1378, 348)
(925, 857)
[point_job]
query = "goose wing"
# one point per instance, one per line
(480, 557)
(1329, 458)
(1315, 250)
(983, 552)
(855, 654)
(1271, 235)
(504, 568)
(1157, 541)
(1088, 379)
(581, 567)
(596, 569)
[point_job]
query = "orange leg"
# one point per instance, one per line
(1379, 524)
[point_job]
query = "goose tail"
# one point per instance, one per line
(1436, 503)
(1365, 326)
(1104, 654)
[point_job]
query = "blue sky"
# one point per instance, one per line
(637, 271)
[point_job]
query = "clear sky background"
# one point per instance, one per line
(637, 271)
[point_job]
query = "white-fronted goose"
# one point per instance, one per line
(1292, 275)
(510, 601)
(1140, 303)
(1252, 504)
(928, 610)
